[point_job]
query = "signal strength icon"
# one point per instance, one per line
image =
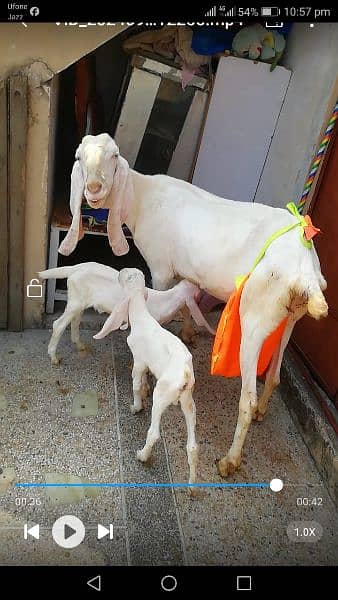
(231, 12)
(211, 12)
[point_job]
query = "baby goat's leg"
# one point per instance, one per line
(162, 397)
(139, 373)
(189, 411)
(58, 328)
(75, 332)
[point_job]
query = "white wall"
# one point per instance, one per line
(312, 55)
(57, 46)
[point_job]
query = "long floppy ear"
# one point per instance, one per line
(75, 233)
(115, 320)
(197, 315)
(121, 195)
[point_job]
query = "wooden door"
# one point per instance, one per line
(13, 134)
(317, 341)
(3, 206)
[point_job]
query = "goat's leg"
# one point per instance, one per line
(298, 308)
(271, 382)
(189, 411)
(75, 332)
(58, 328)
(138, 373)
(273, 373)
(161, 281)
(252, 340)
(145, 387)
(187, 333)
(162, 397)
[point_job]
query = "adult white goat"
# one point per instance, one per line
(156, 350)
(94, 285)
(185, 232)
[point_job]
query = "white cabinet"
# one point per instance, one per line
(242, 117)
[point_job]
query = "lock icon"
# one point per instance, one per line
(34, 290)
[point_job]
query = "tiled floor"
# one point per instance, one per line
(38, 435)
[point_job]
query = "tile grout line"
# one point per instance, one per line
(179, 524)
(122, 490)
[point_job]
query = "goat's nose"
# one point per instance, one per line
(94, 187)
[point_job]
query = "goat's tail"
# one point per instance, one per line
(58, 272)
(311, 288)
(317, 305)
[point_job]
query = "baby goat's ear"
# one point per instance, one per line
(115, 320)
(75, 232)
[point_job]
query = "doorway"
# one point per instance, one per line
(317, 342)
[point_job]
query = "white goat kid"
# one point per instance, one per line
(94, 285)
(185, 232)
(164, 355)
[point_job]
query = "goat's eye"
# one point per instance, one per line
(116, 155)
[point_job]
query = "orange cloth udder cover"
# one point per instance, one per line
(225, 353)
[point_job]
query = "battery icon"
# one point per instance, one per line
(270, 11)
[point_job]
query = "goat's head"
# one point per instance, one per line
(99, 160)
(132, 281)
(100, 172)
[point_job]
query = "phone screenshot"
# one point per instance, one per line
(168, 298)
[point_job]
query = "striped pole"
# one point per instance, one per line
(318, 158)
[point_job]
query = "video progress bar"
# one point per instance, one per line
(145, 485)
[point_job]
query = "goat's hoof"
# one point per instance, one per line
(82, 347)
(135, 409)
(193, 342)
(258, 416)
(55, 360)
(227, 466)
(190, 342)
(142, 456)
(187, 337)
(192, 493)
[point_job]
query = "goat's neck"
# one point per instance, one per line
(137, 308)
(133, 208)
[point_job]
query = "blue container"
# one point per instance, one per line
(207, 41)
(100, 214)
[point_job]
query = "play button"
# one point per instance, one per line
(68, 531)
